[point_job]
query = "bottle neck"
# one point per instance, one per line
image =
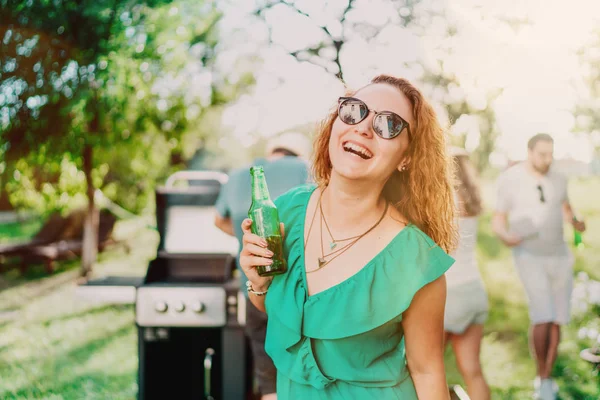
(260, 190)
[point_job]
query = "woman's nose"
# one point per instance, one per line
(365, 127)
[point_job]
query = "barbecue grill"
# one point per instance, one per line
(189, 309)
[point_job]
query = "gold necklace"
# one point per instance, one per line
(322, 261)
(333, 244)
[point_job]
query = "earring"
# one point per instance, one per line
(403, 167)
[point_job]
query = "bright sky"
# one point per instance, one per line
(535, 64)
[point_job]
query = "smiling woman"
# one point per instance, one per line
(359, 314)
(430, 173)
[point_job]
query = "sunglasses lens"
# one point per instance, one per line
(352, 111)
(388, 126)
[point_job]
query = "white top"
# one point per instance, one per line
(534, 208)
(465, 268)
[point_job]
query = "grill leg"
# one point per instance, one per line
(235, 383)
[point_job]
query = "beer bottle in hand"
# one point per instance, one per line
(265, 223)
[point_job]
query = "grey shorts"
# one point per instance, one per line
(466, 305)
(256, 330)
(548, 283)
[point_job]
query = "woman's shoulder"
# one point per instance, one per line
(419, 237)
(296, 194)
(417, 249)
(410, 240)
(402, 227)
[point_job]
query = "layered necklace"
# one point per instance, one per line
(325, 259)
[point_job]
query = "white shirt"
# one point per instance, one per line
(464, 269)
(534, 208)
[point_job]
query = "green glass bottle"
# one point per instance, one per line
(577, 239)
(265, 223)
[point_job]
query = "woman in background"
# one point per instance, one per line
(466, 298)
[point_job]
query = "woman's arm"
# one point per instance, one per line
(423, 324)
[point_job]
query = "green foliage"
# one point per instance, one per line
(587, 112)
(444, 88)
(44, 194)
(19, 230)
(131, 79)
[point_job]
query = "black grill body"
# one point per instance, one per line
(190, 313)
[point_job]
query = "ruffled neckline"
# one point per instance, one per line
(375, 295)
(370, 264)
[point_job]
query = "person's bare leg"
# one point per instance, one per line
(539, 341)
(466, 349)
(447, 337)
(553, 341)
(270, 396)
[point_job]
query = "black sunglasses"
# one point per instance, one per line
(541, 190)
(386, 124)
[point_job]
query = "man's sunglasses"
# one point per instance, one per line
(386, 124)
(541, 190)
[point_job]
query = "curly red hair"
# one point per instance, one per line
(423, 192)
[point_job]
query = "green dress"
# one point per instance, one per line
(346, 342)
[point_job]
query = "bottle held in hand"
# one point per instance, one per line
(265, 223)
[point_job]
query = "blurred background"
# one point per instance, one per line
(102, 100)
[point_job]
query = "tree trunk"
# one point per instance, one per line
(5, 204)
(90, 226)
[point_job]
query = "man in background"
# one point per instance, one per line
(531, 205)
(285, 167)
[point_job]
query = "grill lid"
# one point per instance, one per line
(192, 248)
(191, 229)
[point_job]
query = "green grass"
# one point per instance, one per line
(56, 346)
(53, 345)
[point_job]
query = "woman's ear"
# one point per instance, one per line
(403, 166)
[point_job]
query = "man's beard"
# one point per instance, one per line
(542, 170)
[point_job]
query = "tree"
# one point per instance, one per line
(341, 23)
(88, 83)
(587, 110)
(338, 23)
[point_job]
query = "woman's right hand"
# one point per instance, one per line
(254, 253)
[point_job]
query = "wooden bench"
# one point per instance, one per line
(59, 238)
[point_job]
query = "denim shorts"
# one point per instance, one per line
(466, 305)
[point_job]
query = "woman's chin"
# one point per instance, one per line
(350, 173)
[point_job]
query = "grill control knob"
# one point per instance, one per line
(198, 307)
(179, 306)
(161, 306)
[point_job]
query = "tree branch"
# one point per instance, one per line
(336, 43)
